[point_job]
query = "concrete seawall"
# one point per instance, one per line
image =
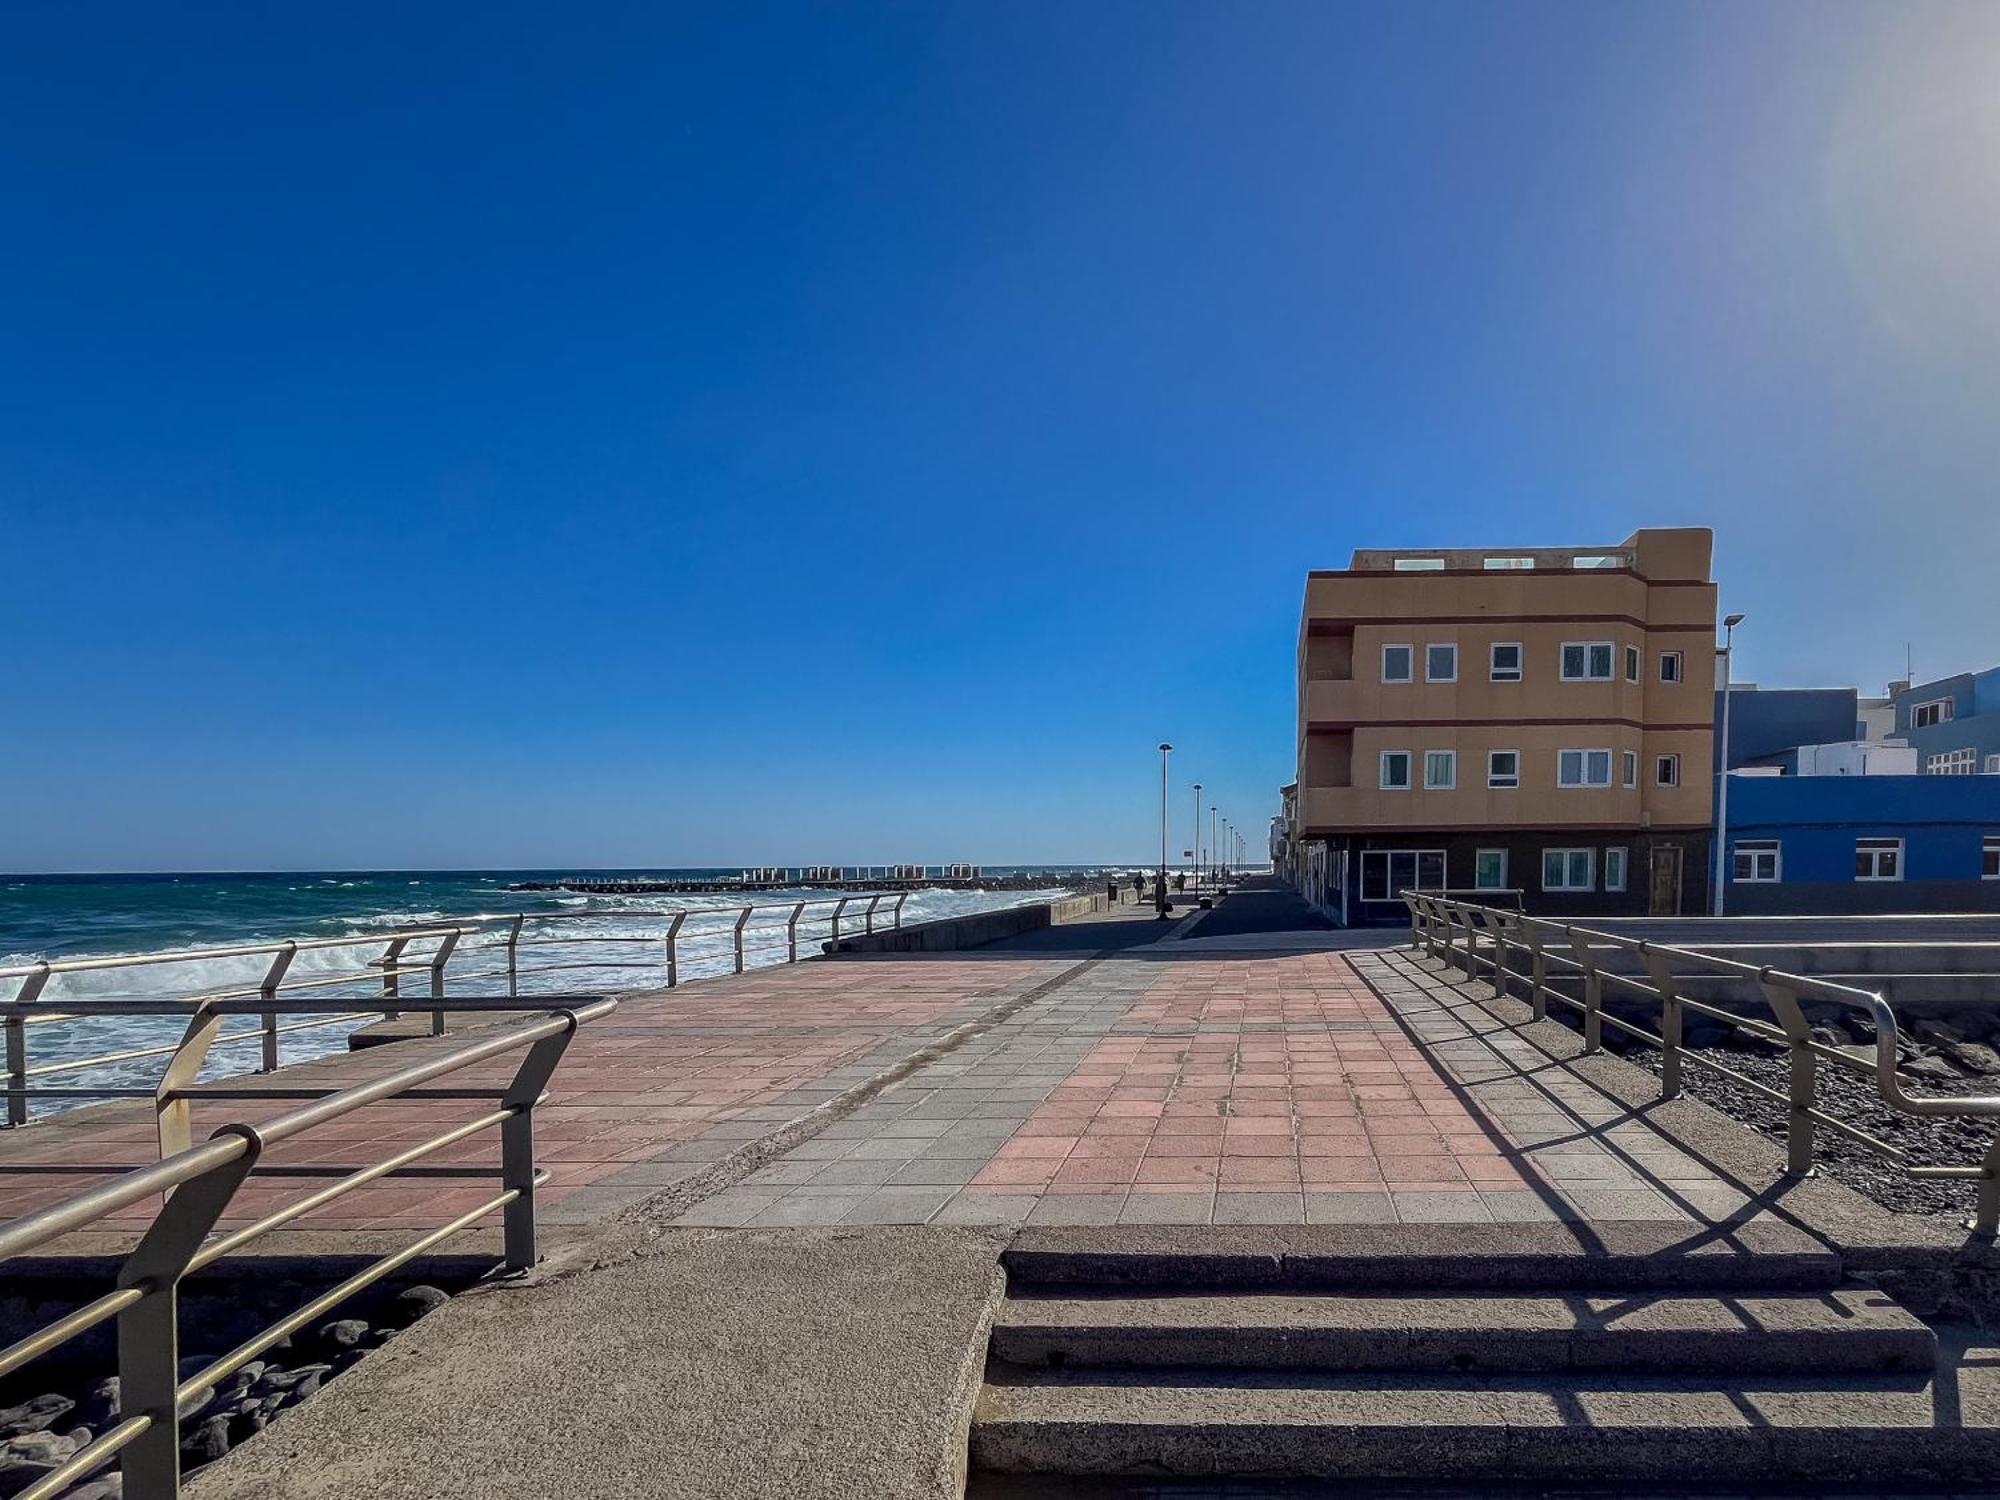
(974, 930)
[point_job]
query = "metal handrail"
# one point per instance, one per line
(200, 1181)
(1435, 921)
(736, 932)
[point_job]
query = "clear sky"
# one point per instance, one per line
(496, 434)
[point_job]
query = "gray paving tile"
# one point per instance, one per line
(1167, 1208)
(1349, 1208)
(1459, 1207)
(898, 1205)
(851, 1173)
(986, 1208)
(727, 1210)
(1078, 1208)
(1260, 1208)
(801, 1209)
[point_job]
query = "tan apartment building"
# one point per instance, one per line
(1535, 719)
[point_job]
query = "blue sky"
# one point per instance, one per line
(500, 435)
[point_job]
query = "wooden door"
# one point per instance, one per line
(1666, 881)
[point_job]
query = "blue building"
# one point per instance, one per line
(1767, 725)
(1807, 844)
(1954, 722)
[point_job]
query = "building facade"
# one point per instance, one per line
(1952, 722)
(1536, 720)
(1862, 843)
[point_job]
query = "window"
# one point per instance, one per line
(1440, 770)
(1614, 869)
(1631, 663)
(1989, 858)
(1597, 560)
(1419, 565)
(1586, 661)
(1500, 564)
(1386, 872)
(1489, 869)
(1440, 663)
(1993, 765)
(1631, 759)
(1583, 768)
(1670, 666)
(1878, 859)
(1506, 662)
(1936, 711)
(1953, 763)
(1503, 768)
(1755, 861)
(1566, 870)
(1667, 770)
(1396, 663)
(1395, 771)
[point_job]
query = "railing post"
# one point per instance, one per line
(392, 964)
(1538, 982)
(438, 960)
(1593, 992)
(673, 949)
(268, 993)
(149, 1330)
(896, 911)
(737, 935)
(1497, 923)
(173, 1118)
(792, 933)
(1416, 926)
(838, 907)
(868, 916)
(1464, 919)
(513, 946)
(1670, 1020)
(17, 1046)
(1985, 1218)
(1430, 928)
(517, 1144)
(1804, 1090)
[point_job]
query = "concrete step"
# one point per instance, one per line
(1428, 1257)
(1899, 1432)
(1848, 1330)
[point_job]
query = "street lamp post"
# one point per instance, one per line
(1197, 838)
(1211, 844)
(1729, 625)
(1160, 894)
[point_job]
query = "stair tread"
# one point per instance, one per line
(1837, 1310)
(1594, 1403)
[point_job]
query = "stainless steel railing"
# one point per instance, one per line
(437, 957)
(1452, 932)
(200, 1182)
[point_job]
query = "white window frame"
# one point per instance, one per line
(1624, 866)
(1382, 781)
(1513, 781)
(1610, 649)
(1629, 764)
(1947, 710)
(1960, 762)
(1506, 564)
(1993, 765)
(1497, 673)
(1418, 565)
(1583, 767)
(1661, 775)
(1756, 851)
(1499, 884)
(1876, 848)
(1989, 857)
(1635, 663)
(1429, 647)
(1568, 856)
(1451, 762)
(1408, 676)
(1673, 667)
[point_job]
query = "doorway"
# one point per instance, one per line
(1666, 881)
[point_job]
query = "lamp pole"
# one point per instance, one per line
(1160, 894)
(1729, 625)
(1197, 838)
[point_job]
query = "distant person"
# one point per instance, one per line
(1180, 883)
(1138, 888)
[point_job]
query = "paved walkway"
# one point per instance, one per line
(1119, 1070)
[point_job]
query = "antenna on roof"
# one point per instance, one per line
(1909, 663)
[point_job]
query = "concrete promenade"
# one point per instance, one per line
(782, 1201)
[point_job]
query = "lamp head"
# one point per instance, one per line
(1164, 746)
(1730, 622)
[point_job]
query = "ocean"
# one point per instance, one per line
(62, 917)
